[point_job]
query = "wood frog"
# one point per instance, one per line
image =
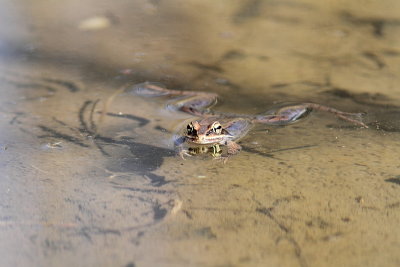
(213, 129)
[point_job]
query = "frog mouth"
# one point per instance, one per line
(207, 141)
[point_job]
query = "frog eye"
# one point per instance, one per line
(217, 127)
(190, 129)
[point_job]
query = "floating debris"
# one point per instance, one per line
(176, 206)
(54, 145)
(95, 23)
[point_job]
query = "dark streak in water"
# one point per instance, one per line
(101, 149)
(270, 153)
(279, 85)
(161, 129)
(73, 88)
(361, 98)
(255, 151)
(159, 212)
(233, 55)
(15, 118)
(395, 180)
(293, 148)
(29, 82)
(288, 236)
(87, 231)
(374, 58)
(208, 67)
(93, 125)
(142, 121)
(250, 9)
(267, 212)
(378, 24)
(66, 125)
(156, 180)
(56, 134)
(391, 53)
(288, 20)
(29, 85)
(81, 114)
(393, 205)
(143, 190)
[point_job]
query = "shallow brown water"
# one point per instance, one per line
(78, 192)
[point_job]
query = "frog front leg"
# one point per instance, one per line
(182, 152)
(179, 146)
(233, 149)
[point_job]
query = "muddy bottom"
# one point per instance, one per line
(90, 174)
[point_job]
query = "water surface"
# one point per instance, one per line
(76, 190)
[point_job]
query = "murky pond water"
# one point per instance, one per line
(79, 190)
